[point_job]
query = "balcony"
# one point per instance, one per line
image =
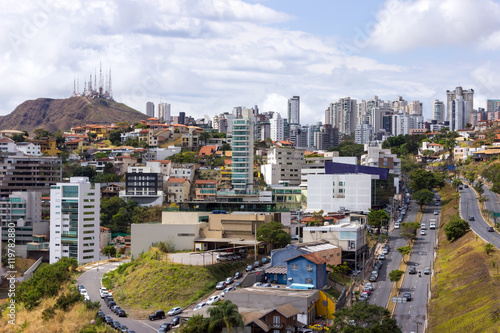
(275, 325)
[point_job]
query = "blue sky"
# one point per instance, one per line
(206, 56)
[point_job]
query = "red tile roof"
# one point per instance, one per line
(205, 181)
(176, 180)
(207, 150)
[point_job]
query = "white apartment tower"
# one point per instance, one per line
(459, 113)
(75, 220)
(164, 112)
(438, 111)
(242, 144)
(344, 115)
(277, 125)
(294, 110)
(467, 95)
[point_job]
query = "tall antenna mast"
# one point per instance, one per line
(110, 89)
(74, 86)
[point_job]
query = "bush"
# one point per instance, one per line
(455, 228)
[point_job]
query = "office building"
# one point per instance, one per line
(294, 110)
(150, 109)
(283, 166)
(75, 220)
(492, 105)
(242, 156)
(182, 117)
(459, 113)
(277, 127)
(438, 111)
(467, 95)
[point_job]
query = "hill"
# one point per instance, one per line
(62, 114)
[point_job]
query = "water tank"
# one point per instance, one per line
(326, 223)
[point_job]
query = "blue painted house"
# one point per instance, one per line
(307, 269)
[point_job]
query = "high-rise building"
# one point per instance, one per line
(277, 127)
(164, 112)
(403, 123)
(438, 111)
(242, 156)
(294, 110)
(414, 108)
(75, 220)
(182, 117)
(150, 109)
(467, 95)
(344, 114)
(363, 134)
(493, 105)
(459, 113)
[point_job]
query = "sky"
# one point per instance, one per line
(205, 57)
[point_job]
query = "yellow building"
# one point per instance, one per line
(48, 146)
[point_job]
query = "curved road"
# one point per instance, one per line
(469, 206)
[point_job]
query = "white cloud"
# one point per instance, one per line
(405, 25)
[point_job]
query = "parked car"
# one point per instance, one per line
(373, 278)
(362, 298)
(108, 320)
(407, 296)
(115, 309)
(103, 292)
(111, 304)
(174, 311)
(83, 292)
(427, 270)
(381, 256)
(397, 225)
(166, 326)
(237, 284)
(256, 264)
(175, 321)
(228, 289)
(267, 285)
(490, 229)
(116, 324)
(100, 314)
(367, 290)
(249, 268)
(385, 251)
(121, 313)
(294, 237)
(80, 287)
(123, 329)
(466, 186)
(364, 294)
(159, 314)
(237, 275)
(257, 284)
(378, 264)
(221, 285)
(199, 306)
(230, 280)
(412, 270)
(213, 299)
(423, 226)
(265, 260)
(369, 285)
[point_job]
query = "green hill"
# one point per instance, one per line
(62, 114)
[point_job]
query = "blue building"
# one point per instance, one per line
(307, 269)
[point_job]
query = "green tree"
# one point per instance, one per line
(41, 133)
(409, 230)
(456, 183)
(92, 136)
(395, 275)
(109, 251)
(421, 179)
(224, 315)
(455, 228)
(18, 138)
(479, 187)
(272, 234)
(317, 219)
(365, 318)
(378, 218)
(195, 324)
(404, 250)
(423, 197)
(205, 136)
(489, 248)
(115, 137)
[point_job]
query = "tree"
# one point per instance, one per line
(421, 179)
(204, 136)
(109, 251)
(316, 219)
(195, 324)
(92, 136)
(18, 138)
(489, 248)
(115, 137)
(224, 315)
(423, 197)
(395, 275)
(404, 250)
(364, 317)
(272, 234)
(376, 218)
(456, 228)
(479, 187)
(456, 183)
(409, 230)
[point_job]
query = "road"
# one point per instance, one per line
(411, 316)
(92, 282)
(383, 286)
(469, 206)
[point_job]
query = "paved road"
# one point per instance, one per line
(413, 312)
(92, 282)
(469, 206)
(383, 286)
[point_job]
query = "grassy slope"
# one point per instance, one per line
(147, 284)
(465, 287)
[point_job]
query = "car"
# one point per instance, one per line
(372, 278)
(162, 330)
(83, 292)
(249, 268)
(100, 314)
(364, 294)
(436, 212)
(362, 298)
(108, 320)
(213, 299)
(423, 226)
(116, 324)
(256, 264)
(228, 289)
(174, 311)
(369, 285)
(422, 232)
(381, 256)
(237, 275)
(103, 294)
(166, 326)
(80, 287)
(103, 289)
(432, 225)
(123, 329)
(175, 321)
(221, 285)
(237, 284)
(159, 314)
(199, 306)
(378, 264)
(471, 218)
(265, 260)
(267, 285)
(111, 304)
(86, 298)
(407, 296)
(490, 229)
(108, 299)
(427, 270)
(397, 226)
(276, 286)
(412, 270)
(466, 186)
(115, 309)
(367, 290)
(230, 280)
(257, 284)
(121, 313)
(294, 237)
(385, 251)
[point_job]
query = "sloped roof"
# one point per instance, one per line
(205, 181)
(176, 180)
(207, 150)
(312, 257)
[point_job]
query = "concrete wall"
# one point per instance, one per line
(182, 235)
(182, 217)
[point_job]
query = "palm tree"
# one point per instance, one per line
(195, 324)
(224, 314)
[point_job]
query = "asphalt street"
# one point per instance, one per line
(469, 206)
(412, 315)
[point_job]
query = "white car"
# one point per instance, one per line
(257, 284)
(436, 212)
(174, 311)
(228, 289)
(83, 292)
(213, 299)
(103, 292)
(422, 232)
(199, 306)
(369, 285)
(396, 226)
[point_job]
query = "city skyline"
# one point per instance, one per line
(206, 57)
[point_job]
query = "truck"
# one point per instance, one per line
(432, 224)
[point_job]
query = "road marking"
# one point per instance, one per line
(147, 325)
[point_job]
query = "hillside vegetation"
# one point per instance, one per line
(62, 114)
(465, 288)
(147, 283)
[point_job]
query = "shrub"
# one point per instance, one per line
(455, 228)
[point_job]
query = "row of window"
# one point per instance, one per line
(295, 267)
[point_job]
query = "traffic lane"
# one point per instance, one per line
(92, 282)
(469, 206)
(493, 203)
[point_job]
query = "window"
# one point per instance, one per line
(295, 267)
(341, 183)
(309, 281)
(276, 319)
(341, 190)
(309, 268)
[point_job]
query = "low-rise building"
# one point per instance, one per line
(178, 189)
(205, 189)
(28, 148)
(309, 269)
